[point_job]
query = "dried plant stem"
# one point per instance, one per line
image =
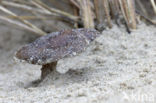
(123, 10)
(153, 5)
(25, 7)
(116, 3)
(114, 8)
(128, 12)
(76, 8)
(142, 7)
(15, 23)
(107, 13)
(33, 10)
(53, 10)
(75, 3)
(87, 13)
(23, 21)
(83, 11)
(148, 20)
(23, 2)
(125, 7)
(96, 5)
(132, 14)
(76, 13)
(29, 17)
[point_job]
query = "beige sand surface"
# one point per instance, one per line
(116, 68)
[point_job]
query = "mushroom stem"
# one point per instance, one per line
(47, 69)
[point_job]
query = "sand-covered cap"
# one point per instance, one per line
(57, 45)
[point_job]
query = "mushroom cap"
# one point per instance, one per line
(57, 45)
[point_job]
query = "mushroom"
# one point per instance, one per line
(48, 49)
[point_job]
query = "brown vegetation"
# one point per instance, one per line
(78, 13)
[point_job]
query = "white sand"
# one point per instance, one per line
(116, 68)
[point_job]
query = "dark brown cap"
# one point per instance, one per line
(57, 45)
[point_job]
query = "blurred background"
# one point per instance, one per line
(22, 21)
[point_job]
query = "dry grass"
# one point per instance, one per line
(153, 5)
(86, 13)
(25, 22)
(107, 12)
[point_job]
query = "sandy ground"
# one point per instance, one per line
(116, 68)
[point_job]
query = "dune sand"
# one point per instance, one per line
(116, 67)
